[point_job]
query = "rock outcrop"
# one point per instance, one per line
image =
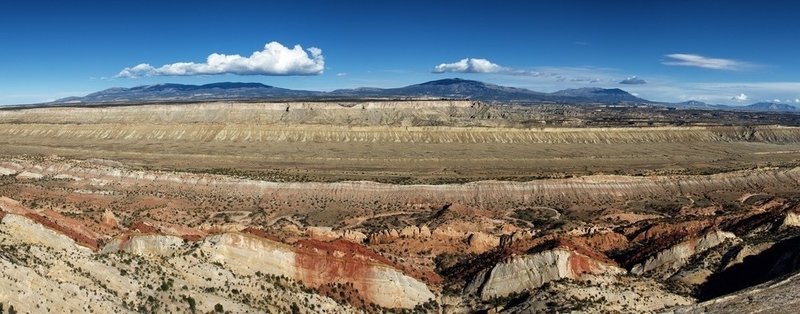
(390, 235)
(792, 219)
(525, 272)
(480, 242)
(29, 175)
(48, 223)
(582, 191)
(314, 263)
(147, 245)
(109, 219)
(318, 263)
(28, 230)
(45, 271)
(7, 172)
(668, 261)
(328, 234)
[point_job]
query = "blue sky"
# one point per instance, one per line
(732, 52)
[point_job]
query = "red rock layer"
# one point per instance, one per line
(260, 233)
(74, 234)
(320, 263)
(72, 228)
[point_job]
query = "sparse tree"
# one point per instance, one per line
(192, 304)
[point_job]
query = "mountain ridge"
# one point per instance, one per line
(449, 88)
(445, 88)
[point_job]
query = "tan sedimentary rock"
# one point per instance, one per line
(480, 242)
(415, 232)
(354, 236)
(152, 245)
(109, 219)
(448, 233)
(321, 233)
(29, 230)
(671, 259)
(792, 219)
(692, 277)
(147, 245)
(383, 236)
(7, 172)
(12, 206)
(247, 254)
(530, 271)
(748, 250)
(319, 263)
(390, 235)
(269, 122)
(29, 175)
(53, 221)
(45, 271)
(327, 234)
(67, 177)
(579, 191)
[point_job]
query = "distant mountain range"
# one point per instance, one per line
(453, 88)
(759, 106)
(446, 88)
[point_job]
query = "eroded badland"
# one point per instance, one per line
(429, 206)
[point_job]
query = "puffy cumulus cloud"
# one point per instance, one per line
(693, 60)
(274, 59)
(142, 69)
(633, 80)
(740, 98)
(469, 65)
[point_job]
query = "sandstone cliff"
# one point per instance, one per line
(670, 260)
(530, 271)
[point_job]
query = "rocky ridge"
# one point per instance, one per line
(373, 278)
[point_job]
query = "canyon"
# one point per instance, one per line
(441, 206)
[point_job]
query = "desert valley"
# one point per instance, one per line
(436, 206)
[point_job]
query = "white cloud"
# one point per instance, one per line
(740, 98)
(577, 75)
(633, 80)
(692, 60)
(776, 100)
(797, 100)
(274, 59)
(469, 65)
(341, 74)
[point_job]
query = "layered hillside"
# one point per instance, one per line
(403, 142)
(664, 240)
